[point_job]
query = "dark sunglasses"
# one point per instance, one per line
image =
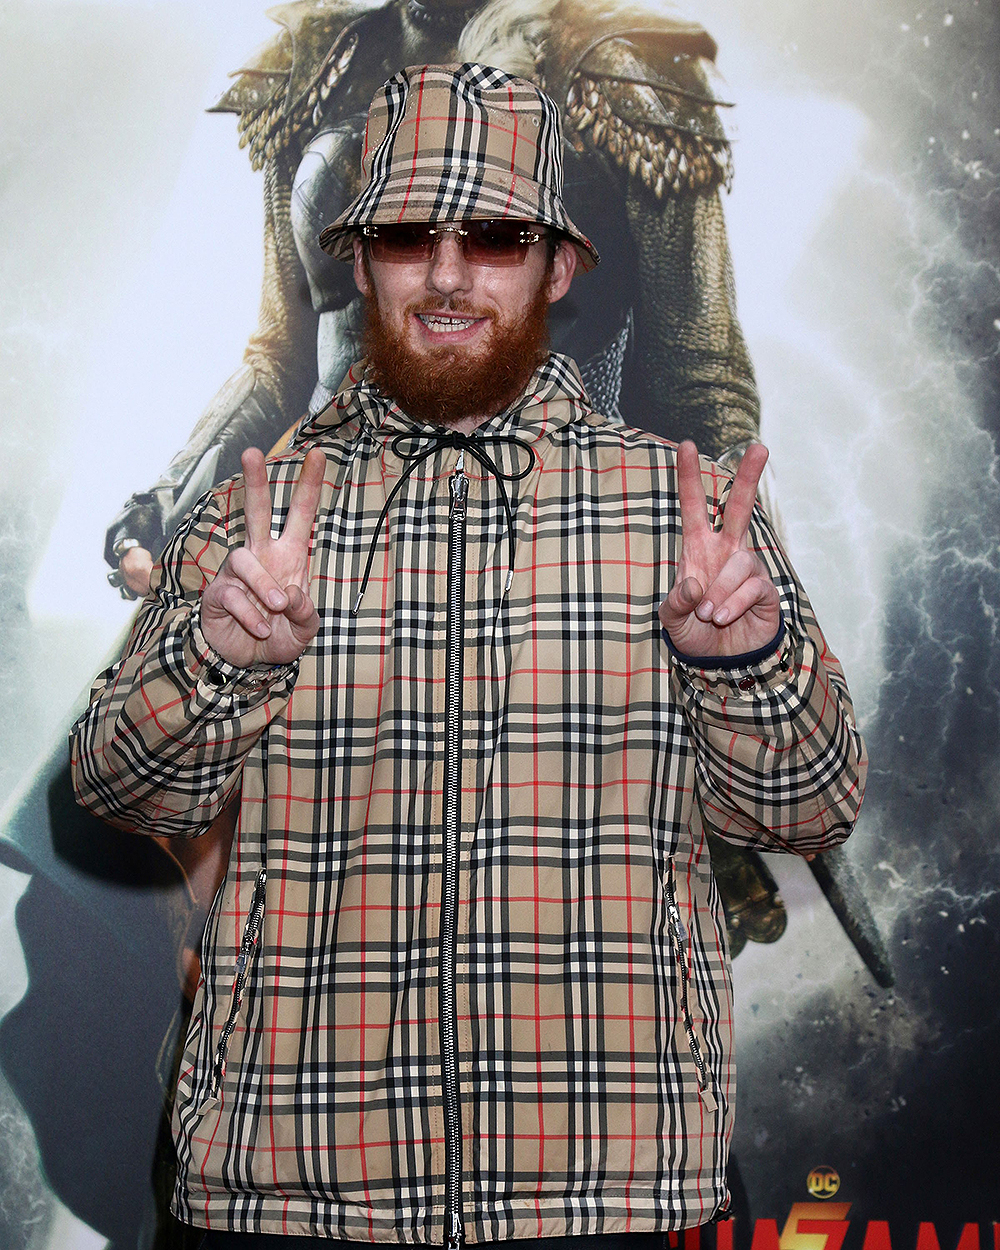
(495, 243)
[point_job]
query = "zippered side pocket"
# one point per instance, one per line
(681, 943)
(251, 932)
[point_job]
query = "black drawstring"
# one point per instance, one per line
(474, 446)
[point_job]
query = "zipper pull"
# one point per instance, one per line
(455, 1234)
(459, 484)
(678, 923)
(252, 928)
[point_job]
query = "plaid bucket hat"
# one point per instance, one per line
(454, 142)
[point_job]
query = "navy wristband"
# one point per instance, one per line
(747, 660)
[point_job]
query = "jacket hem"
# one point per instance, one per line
(643, 1212)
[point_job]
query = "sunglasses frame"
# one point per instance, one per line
(517, 256)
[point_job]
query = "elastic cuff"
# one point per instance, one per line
(219, 673)
(724, 662)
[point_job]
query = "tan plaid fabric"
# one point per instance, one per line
(454, 142)
(594, 1001)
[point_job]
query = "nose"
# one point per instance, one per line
(449, 272)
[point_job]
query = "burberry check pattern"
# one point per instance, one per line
(452, 142)
(594, 1004)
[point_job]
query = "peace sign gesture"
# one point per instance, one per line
(722, 602)
(257, 610)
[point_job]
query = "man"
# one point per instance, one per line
(467, 977)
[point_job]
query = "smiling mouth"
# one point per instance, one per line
(441, 323)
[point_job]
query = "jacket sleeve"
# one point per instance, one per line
(780, 763)
(162, 744)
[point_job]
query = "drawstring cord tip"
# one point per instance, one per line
(357, 603)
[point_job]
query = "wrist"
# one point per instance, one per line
(744, 659)
(220, 672)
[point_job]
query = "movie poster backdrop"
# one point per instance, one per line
(863, 223)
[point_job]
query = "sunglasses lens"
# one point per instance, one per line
(496, 242)
(406, 242)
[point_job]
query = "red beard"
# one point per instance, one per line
(446, 384)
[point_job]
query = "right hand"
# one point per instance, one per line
(257, 610)
(135, 567)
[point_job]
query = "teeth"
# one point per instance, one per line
(439, 324)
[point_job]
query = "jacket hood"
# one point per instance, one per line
(554, 397)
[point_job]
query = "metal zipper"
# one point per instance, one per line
(448, 1007)
(680, 940)
(250, 933)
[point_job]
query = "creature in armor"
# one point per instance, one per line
(654, 328)
(655, 332)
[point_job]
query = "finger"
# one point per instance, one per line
(243, 566)
(691, 489)
(756, 592)
(135, 566)
(230, 600)
(305, 499)
(740, 566)
(257, 497)
(743, 494)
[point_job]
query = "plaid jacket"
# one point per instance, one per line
(592, 1000)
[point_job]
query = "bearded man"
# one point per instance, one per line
(467, 977)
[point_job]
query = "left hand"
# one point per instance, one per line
(722, 602)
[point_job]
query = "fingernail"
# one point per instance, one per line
(704, 610)
(276, 600)
(262, 630)
(722, 616)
